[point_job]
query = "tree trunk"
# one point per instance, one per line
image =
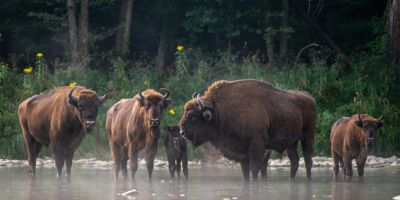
(73, 32)
(270, 50)
(84, 34)
(124, 29)
(161, 51)
(393, 29)
(284, 34)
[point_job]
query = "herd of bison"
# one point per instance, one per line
(244, 119)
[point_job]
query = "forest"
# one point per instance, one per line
(345, 53)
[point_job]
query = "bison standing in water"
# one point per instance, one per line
(176, 148)
(244, 118)
(60, 118)
(352, 137)
(133, 125)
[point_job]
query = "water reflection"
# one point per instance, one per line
(203, 184)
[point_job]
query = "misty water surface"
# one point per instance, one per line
(203, 183)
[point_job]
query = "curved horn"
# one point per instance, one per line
(194, 95)
(141, 95)
(359, 117)
(72, 97)
(166, 92)
(200, 101)
(380, 118)
(104, 97)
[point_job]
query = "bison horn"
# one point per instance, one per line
(380, 118)
(141, 95)
(200, 101)
(71, 97)
(166, 92)
(194, 95)
(104, 97)
(359, 117)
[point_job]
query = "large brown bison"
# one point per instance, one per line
(60, 118)
(133, 125)
(352, 137)
(243, 118)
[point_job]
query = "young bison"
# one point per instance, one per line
(352, 138)
(176, 148)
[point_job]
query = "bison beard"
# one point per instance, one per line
(352, 137)
(59, 118)
(244, 118)
(133, 125)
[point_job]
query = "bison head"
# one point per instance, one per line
(87, 104)
(172, 134)
(154, 103)
(369, 126)
(196, 122)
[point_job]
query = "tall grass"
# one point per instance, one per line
(366, 87)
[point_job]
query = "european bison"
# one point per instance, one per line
(60, 118)
(133, 125)
(176, 148)
(243, 118)
(352, 137)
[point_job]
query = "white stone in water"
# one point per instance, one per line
(396, 197)
(182, 195)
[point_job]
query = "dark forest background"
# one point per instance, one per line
(345, 53)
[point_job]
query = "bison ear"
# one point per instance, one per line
(381, 123)
(358, 123)
(207, 115)
(167, 102)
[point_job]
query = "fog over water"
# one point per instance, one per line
(203, 183)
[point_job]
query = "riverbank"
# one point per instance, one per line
(372, 162)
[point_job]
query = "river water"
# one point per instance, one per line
(203, 183)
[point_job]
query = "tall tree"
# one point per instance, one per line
(84, 33)
(284, 37)
(124, 28)
(393, 29)
(73, 32)
(79, 33)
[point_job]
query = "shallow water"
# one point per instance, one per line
(203, 183)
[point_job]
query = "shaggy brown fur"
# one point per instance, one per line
(59, 120)
(243, 118)
(176, 148)
(352, 138)
(132, 125)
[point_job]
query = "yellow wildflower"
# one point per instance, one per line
(28, 70)
(39, 55)
(179, 48)
(172, 112)
(145, 82)
(72, 84)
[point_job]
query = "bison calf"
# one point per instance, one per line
(352, 137)
(60, 118)
(176, 148)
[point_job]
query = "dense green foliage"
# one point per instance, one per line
(221, 40)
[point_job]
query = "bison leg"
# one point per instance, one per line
(69, 154)
(178, 167)
(307, 144)
(244, 164)
(150, 155)
(256, 158)
(185, 165)
(33, 148)
(347, 164)
(124, 162)
(116, 155)
(336, 159)
(361, 159)
(294, 160)
(264, 165)
(171, 167)
(59, 154)
(133, 157)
